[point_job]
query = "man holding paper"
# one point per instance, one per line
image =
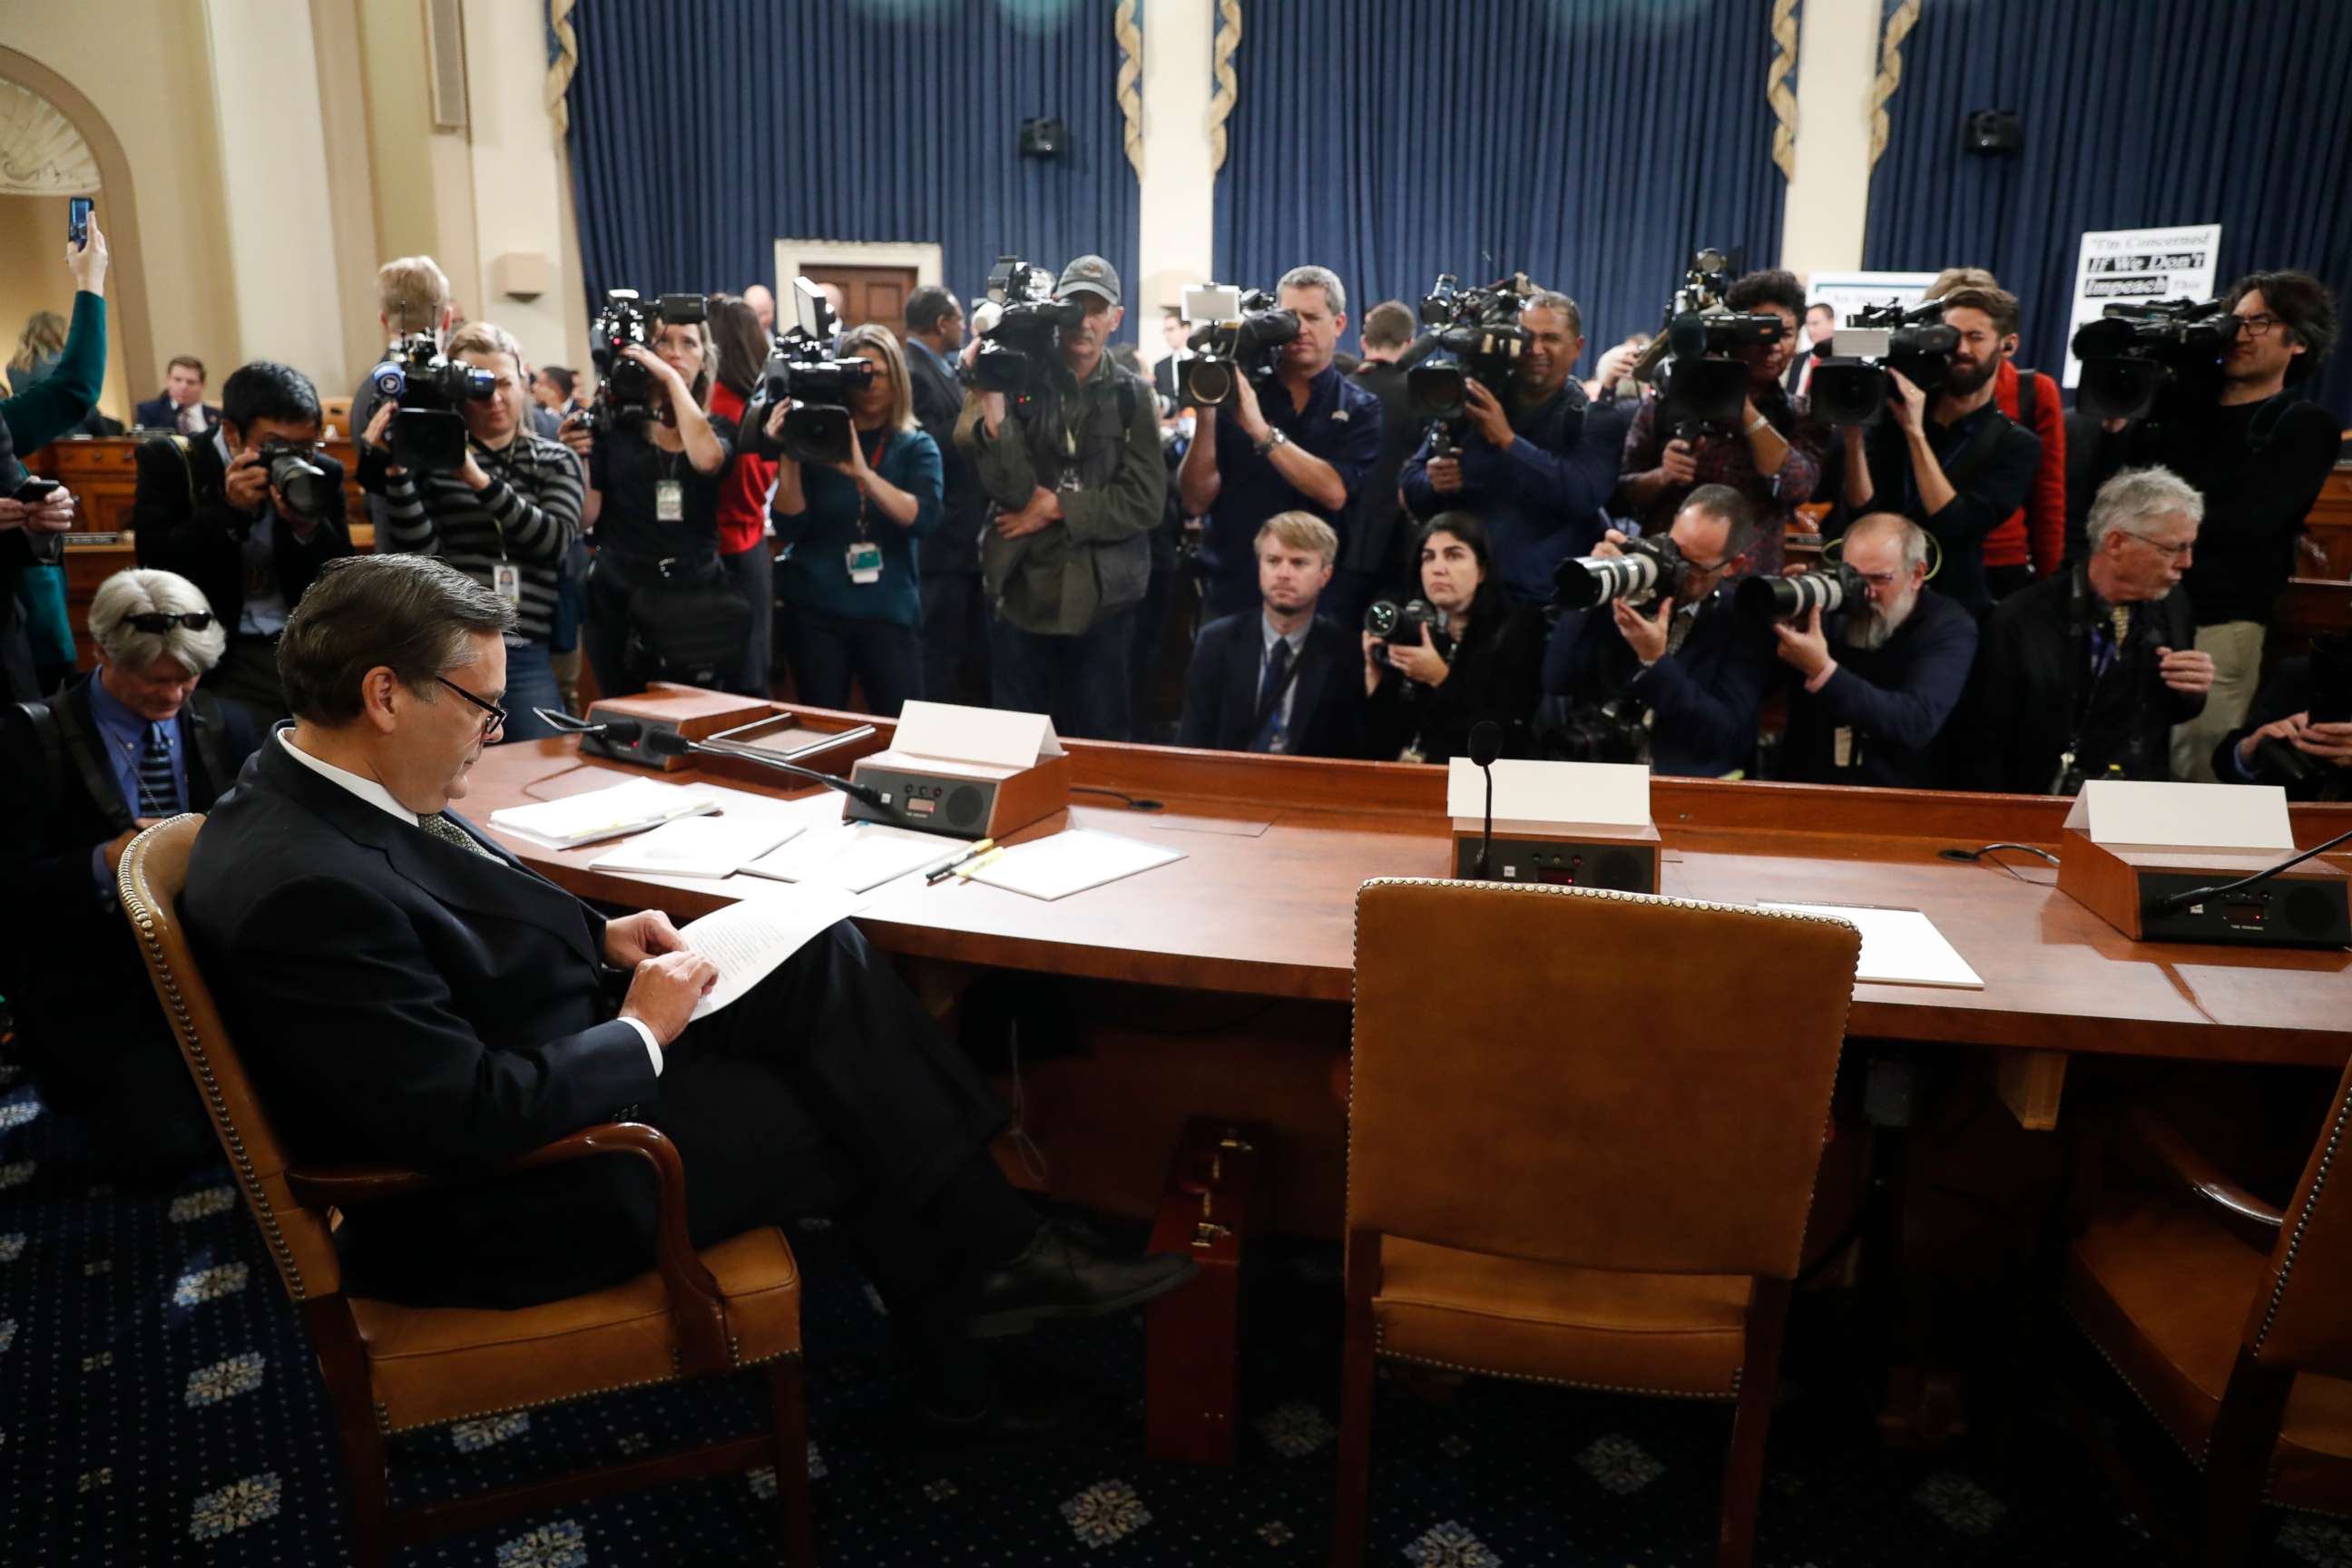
(404, 991)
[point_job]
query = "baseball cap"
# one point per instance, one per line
(1091, 275)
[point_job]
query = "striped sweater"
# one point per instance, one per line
(530, 514)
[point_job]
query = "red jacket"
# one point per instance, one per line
(2041, 525)
(743, 498)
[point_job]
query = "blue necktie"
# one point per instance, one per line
(159, 792)
(1270, 694)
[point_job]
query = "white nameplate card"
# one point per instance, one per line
(2183, 816)
(1602, 795)
(957, 734)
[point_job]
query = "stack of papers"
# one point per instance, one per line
(1899, 947)
(629, 807)
(700, 846)
(1071, 861)
(748, 939)
(856, 856)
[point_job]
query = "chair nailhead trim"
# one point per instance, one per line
(384, 1423)
(1380, 1349)
(2303, 1223)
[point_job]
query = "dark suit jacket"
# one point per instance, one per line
(1897, 702)
(1703, 698)
(1327, 704)
(183, 523)
(954, 546)
(158, 414)
(396, 998)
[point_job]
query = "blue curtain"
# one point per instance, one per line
(1590, 144)
(2138, 113)
(702, 130)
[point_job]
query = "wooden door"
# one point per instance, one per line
(869, 293)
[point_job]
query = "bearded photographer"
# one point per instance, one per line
(1307, 440)
(2083, 675)
(1771, 461)
(1079, 482)
(506, 518)
(1878, 680)
(211, 509)
(1479, 664)
(2299, 735)
(1536, 464)
(1954, 463)
(1685, 674)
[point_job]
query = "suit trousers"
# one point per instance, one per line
(2237, 650)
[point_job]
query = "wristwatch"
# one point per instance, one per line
(1273, 438)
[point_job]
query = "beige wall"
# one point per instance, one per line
(517, 181)
(1829, 200)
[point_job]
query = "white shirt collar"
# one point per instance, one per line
(1298, 639)
(368, 790)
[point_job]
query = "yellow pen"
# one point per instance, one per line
(975, 863)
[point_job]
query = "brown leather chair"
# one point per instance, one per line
(390, 1368)
(1582, 1139)
(2230, 1320)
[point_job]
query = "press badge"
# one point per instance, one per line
(669, 501)
(1842, 742)
(506, 582)
(865, 562)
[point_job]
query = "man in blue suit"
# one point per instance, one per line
(1283, 678)
(183, 407)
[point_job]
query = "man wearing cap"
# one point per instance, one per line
(1306, 440)
(1077, 483)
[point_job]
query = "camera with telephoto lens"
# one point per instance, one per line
(1850, 385)
(1478, 333)
(1646, 572)
(2277, 761)
(308, 491)
(1399, 625)
(1226, 348)
(1832, 585)
(626, 388)
(1617, 730)
(428, 432)
(1014, 352)
(817, 427)
(2134, 354)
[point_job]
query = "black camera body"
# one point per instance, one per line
(1225, 352)
(626, 388)
(2331, 703)
(1478, 331)
(1014, 354)
(308, 491)
(817, 427)
(1850, 385)
(1617, 730)
(427, 433)
(2134, 356)
(1705, 386)
(1399, 625)
(1646, 573)
(1830, 585)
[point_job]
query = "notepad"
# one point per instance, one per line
(701, 846)
(1899, 947)
(1070, 862)
(750, 937)
(858, 856)
(584, 818)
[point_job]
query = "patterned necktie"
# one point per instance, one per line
(1270, 694)
(448, 832)
(2120, 617)
(159, 793)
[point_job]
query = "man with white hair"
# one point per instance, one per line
(2084, 675)
(129, 744)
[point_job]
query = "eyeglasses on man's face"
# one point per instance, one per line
(156, 621)
(2255, 326)
(2169, 552)
(495, 717)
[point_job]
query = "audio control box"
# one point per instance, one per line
(958, 798)
(688, 710)
(1622, 859)
(2306, 906)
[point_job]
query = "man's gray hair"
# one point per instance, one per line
(2139, 496)
(412, 615)
(1909, 534)
(146, 592)
(1321, 278)
(1553, 300)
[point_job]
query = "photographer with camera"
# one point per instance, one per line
(2299, 735)
(1878, 678)
(849, 575)
(1079, 482)
(1279, 682)
(1307, 439)
(744, 550)
(1667, 674)
(248, 513)
(1953, 463)
(2083, 675)
(657, 468)
(1463, 655)
(2032, 544)
(1771, 461)
(1532, 459)
(506, 518)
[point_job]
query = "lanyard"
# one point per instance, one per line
(875, 463)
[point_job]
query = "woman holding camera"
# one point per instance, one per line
(654, 484)
(506, 517)
(851, 578)
(1483, 661)
(743, 548)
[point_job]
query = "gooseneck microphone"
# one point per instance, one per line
(619, 731)
(2179, 902)
(670, 743)
(1486, 745)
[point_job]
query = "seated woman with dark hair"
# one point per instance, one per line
(1481, 661)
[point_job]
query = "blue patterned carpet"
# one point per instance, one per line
(158, 1406)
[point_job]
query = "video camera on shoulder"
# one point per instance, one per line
(2134, 355)
(1706, 383)
(626, 388)
(1850, 383)
(1399, 625)
(428, 432)
(802, 369)
(1646, 573)
(1014, 354)
(1479, 339)
(1234, 335)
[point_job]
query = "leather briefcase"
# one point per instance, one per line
(1192, 1378)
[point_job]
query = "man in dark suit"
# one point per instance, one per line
(129, 744)
(208, 508)
(955, 615)
(182, 407)
(1284, 678)
(404, 989)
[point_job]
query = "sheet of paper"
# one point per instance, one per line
(702, 846)
(584, 818)
(1070, 862)
(1899, 947)
(1603, 794)
(975, 734)
(750, 937)
(2183, 816)
(858, 856)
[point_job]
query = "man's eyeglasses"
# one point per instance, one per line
(2169, 552)
(497, 715)
(2255, 326)
(156, 621)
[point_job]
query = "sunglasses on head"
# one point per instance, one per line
(156, 621)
